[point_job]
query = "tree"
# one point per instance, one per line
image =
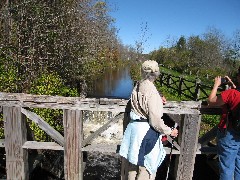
(206, 54)
(236, 45)
(181, 44)
(74, 38)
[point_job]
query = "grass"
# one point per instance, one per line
(208, 121)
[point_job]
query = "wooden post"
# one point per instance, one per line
(197, 89)
(15, 132)
(169, 80)
(73, 158)
(180, 86)
(161, 77)
(189, 142)
(124, 162)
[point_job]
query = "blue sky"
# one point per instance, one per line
(172, 18)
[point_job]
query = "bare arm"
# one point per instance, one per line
(213, 99)
(230, 83)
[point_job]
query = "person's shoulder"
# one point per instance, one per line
(237, 91)
(228, 92)
(231, 92)
(146, 84)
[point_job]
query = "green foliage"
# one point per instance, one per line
(52, 117)
(162, 56)
(135, 71)
(49, 84)
(208, 122)
(205, 80)
(169, 94)
(181, 44)
(8, 77)
(60, 36)
(206, 56)
(212, 120)
(8, 83)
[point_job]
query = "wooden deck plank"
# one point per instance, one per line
(42, 145)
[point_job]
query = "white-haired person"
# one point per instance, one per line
(141, 144)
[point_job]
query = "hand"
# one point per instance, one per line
(164, 100)
(217, 81)
(174, 133)
(212, 98)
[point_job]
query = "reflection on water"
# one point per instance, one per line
(114, 83)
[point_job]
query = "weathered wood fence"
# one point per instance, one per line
(15, 109)
(194, 90)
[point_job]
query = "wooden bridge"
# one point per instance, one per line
(15, 109)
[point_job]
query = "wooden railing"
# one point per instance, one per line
(15, 109)
(194, 90)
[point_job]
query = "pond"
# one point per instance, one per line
(114, 83)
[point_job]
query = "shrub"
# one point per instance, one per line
(49, 84)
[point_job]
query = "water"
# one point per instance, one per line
(114, 83)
